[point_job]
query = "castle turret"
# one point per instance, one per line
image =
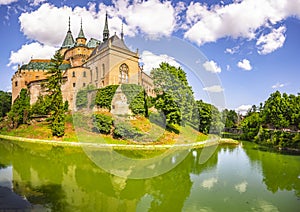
(105, 30)
(81, 40)
(69, 40)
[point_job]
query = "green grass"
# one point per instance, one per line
(82, 132)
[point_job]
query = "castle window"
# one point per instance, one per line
(103, 70)
(123, 75)
(97, 73)
(74, 85)
(16, 83)
(83, 84)
(84, 74)
(73, 74)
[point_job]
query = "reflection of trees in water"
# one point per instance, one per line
(65, 178)
(280, 172)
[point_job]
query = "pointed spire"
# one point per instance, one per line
(69, 24)
(105, 30)
(69, 40)
(122, 34)
(81, 34)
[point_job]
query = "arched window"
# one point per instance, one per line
(73, 74)
(123, 75)
(84, 74)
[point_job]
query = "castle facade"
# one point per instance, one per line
(97, 63)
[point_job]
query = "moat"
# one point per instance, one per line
(235, 178)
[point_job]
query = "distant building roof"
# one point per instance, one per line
(37, 64)
(93, 43)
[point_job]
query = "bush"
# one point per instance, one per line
(102, 123)
(105, 95)
(135, 95)
(126, 131)
(82, 97)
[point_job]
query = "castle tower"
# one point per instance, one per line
(81, 40)
(105, 30)
(69, 40)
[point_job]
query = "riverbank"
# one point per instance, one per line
(212, 140)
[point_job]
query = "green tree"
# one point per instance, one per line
(250, 126)
(53, 88)
(210, 119)
(41, 106)
(20, 111)
(229, 118)
(5, 105)
(174, 95)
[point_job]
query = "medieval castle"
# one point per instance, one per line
(85, 63)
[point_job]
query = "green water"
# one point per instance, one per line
(235, 178)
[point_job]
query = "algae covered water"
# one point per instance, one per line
(236, 178)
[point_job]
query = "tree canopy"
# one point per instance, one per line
(174, 95)
(5, 105)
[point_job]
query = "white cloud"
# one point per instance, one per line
(245, 64)
(272, 41)
(49, 24)
(228, 68)
(242, 187)
(7, 2)
(238, 19)
(243, 109)
(32, 50)
(232, 50)
(36, 2)
(209, 183)
(214, 89)
(150, 60)
(211, 66)
(278, 85)
(151, 17)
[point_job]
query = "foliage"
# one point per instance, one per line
(166, 103)
(54, 93)
(250, 126)
(102, 123)
(209, 118)
(5, 105)
(20, 111)
(136, 98)
(41, 106)
(278, 138)
(229, 118)
(82, 97)
(105, 95)
(174, 95)
(125, 131)
(281, 112)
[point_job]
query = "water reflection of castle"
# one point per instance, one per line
(65, 179)
(85, 63)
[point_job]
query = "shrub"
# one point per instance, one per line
(126, 131)
(105, 95)
(83, 95)
(102, 123)
(136, 98)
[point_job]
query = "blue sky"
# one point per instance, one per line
(251, 47)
